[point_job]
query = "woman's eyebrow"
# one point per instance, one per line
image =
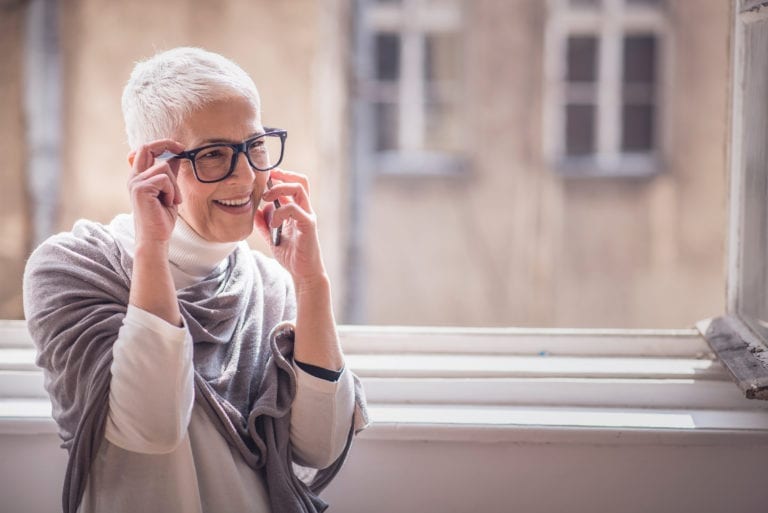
(217, 140)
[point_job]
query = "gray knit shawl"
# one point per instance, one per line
(76, 288)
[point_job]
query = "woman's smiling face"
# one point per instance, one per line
(221, 211)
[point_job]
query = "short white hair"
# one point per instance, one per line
(164, 89)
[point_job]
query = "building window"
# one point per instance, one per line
(604, 95)
(409, 77)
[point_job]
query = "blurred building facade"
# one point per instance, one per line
(480, 163)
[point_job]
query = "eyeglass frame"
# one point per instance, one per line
(238, 148)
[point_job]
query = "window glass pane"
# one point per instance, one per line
(639, 78)
(442, 62)
(638, 93)
(579, 130)
(387, 56)
(441, 57)
(385, 120)
(582, 59)
(752, 277)
(637, 128)
(640, 59)
(442, 123)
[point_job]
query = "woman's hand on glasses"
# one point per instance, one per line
(155, 194)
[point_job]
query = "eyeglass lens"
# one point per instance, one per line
(216, 161)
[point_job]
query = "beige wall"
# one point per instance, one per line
(514, 243)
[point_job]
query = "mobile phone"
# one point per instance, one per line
(275, 232)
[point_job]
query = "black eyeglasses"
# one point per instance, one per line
(216, 162)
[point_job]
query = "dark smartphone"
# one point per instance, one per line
(275, 232)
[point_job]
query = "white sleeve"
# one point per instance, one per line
(152, 388)
(321, 417)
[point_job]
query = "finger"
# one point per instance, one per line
(147, 153)
(160, 146)
(141, 161)
(173, 167)
(159, 186)
(154, 168)
(290, 176)
(151, 165)
(159, 168)
(168, 192)
(292, 211)
(294, 191)
(165, 146)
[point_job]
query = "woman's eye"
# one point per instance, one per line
(210, 154)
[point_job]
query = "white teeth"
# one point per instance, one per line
(235, 202)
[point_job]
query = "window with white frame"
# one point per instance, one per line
(605, 65)
(740, 337)
(409, 75)
(749, 251)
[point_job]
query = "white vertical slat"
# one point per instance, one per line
(411, 107)
(609, 97)
(736, 192)
(554, 75)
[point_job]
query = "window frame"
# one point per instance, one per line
(413, 160)
(737, 336)
(609, 23)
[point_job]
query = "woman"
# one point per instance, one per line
(187, 372)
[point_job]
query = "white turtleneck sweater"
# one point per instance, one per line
(152, 374)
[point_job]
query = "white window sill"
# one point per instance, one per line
(507, 366)
(621, 166)
(491, 424)
(519, 385)
(26, 416)
(568, 426)
(419, 164)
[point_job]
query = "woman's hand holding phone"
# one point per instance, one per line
(288, 209)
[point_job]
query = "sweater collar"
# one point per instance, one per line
(195, 255)
(192, 257)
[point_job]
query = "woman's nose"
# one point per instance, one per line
(243, 168)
